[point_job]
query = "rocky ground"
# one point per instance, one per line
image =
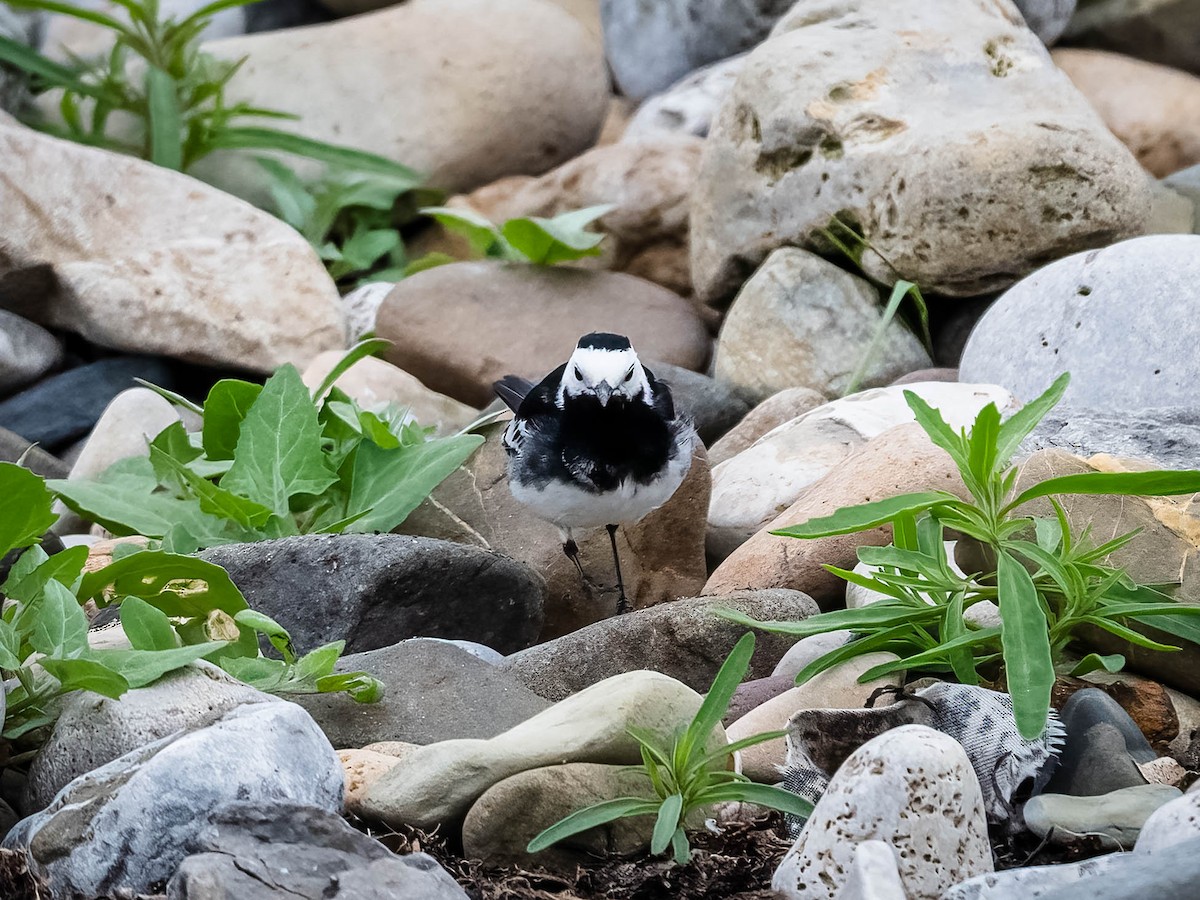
(1043, 200)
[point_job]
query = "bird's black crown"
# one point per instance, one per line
(599, 340)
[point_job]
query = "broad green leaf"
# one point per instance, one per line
(851, 519)
(590, 817)
(28, 577)
(939, 431)
(666, 823)
(1094, 661)
(1020, 424)
(143, 667)
(361, 687)
(480, 233)
(225, 409)
(256, 671)
(1137, 484)
(904, 532)
(86, 675)
(392, 483)
(319, 663)
(27, 502)
(10, 647)
(177, 585)
(680, 850)
(1025, 634)
(359, 351)
(561, 239)
(146, 627)
(163, 118)
(279, 637)
(214, 500)
(278, 452)
(59, 625)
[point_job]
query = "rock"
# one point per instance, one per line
(1102, 750)
(950, 338)
(1147, 702)
(788, 404)
(63, 408)
(685, 639)
(687, 106)
(1031, 882)
(1048, 19)
(304, 854)
(439, 782)
(1150, 107)
(361, 306)
(1168, 875)
(364, 767)
(1075, 313)
(913, 789)
(1117, 816)
(808, 649)
(1175, 821)
(835, 688)
(27, 352)
(14, 87)
(13, 447)
(652, 45)
(754, 693)
(512, 812)
(1187, 711)
(124, 826)
(802, 321)
(650, 184)
(873, 874)
(462, 326)
(432, 692)
(93, 730)
(376, 384)
(547, 91)
(780, 467)
(713, 405)
(1161, 31)
(165, 265)
(1170, 436)
(832, 116)
(939, 373)
(662, 556)
(1171, 211)
(376, 590)
(900, 460)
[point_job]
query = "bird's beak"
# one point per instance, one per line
(603, 392)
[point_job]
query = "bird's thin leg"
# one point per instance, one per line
(622, 602)
(571, 550)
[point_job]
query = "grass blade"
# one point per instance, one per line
(359, 351)
(900, 290)
(248, 138)
(164, 122)
(716, 701)
(762, 794)
(1138, 484)
(590, 817)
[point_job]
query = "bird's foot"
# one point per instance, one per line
(571, 550)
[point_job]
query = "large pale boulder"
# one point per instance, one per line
(137, 257)
(940, 129)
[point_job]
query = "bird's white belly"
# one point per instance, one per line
(569, 506)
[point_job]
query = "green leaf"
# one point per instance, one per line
(939, 431)
(278, 452)
(680, 850)
(1094, 661)
(27, 502)
(164, 119)
(256, 671)
(561, 239)
(387, 485)
(762, 794)
(953, 626)
(59, 625)
(359, 351)
(10, 647)
(214, 500)
(716, 701)
(143, 667)
(1021, 423)
(279, 637)
(1025, 634)
(666, 823)
(27, 578)
(900, 290)
(887, 638)
(1129, 634)
(23, 57)
(882, 614)
(248, 138)
(86, 675)
(590, 817)
(177, 585)
(940, 653)
(851, 519)
(319, 663)
(146, 627)
(225, 409)
(1186, 627)
(982, 444)
(170, 396)
(480, 233)
(361, 687)
(294, 202)
(1136, 484)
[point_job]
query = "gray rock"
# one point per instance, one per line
(1029, 883)
(1185, 182)
(1046, 18)
(803, 322)
(1178, 820)
(124, 826)
(1116, 817)
(713, 405)
(376, 590)
(13, 447)
(92, 730)
(432, 692)
(480, 651)
(27, 351)
(305, 854)
(1081, 313)
(680, 638)
(13, 86)
(1170, 874)
(1168, 435)
(650, 46)
(771, 413)
(1162, 31)
(1102, 749)
(688, 106)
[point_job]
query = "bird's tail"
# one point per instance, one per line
(512, 390)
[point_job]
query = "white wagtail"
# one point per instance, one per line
(596, 442)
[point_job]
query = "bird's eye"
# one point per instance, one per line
(629, 374)
(578, 374)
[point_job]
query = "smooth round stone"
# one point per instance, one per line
(27, 351)
(1117, 817)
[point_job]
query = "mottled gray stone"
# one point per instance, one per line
(1170, 436)
(688, 106)
(1034, 881)
(1120, 320)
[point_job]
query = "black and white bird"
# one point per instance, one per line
(596, 442)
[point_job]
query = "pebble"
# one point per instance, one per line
(1103, 747)
(687, 106)
(27, 352)
(1176, 820)
(1116, 817)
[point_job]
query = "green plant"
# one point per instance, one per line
(272, 460)
(1046, 582)
(686, 776)
(528, 239)
(174, 609)
(158, 78)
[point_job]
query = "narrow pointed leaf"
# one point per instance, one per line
(590, 817)
(1028, 665)
(1139, 484)
(851, 519)
(667, 822)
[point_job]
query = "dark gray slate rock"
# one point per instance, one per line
(1170, 436)
(63, 408)
(288, 852)
(13, 447)
(434, 691)
(682, 638)
(124, 826)
(271, 15)
(1121, 320)
(27, 352)
(652, 45)
(712, 404)
(1102, 749)
(373, 591)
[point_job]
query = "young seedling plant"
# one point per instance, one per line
(686, 776)
(1047, 582)
(531, 239)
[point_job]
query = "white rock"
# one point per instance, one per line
(873, 874)
(1034, 881)
(808, 649)
(1171, 823)
(361, 305)
(761, 482)
(911, 788)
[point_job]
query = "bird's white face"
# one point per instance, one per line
(604, 374)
